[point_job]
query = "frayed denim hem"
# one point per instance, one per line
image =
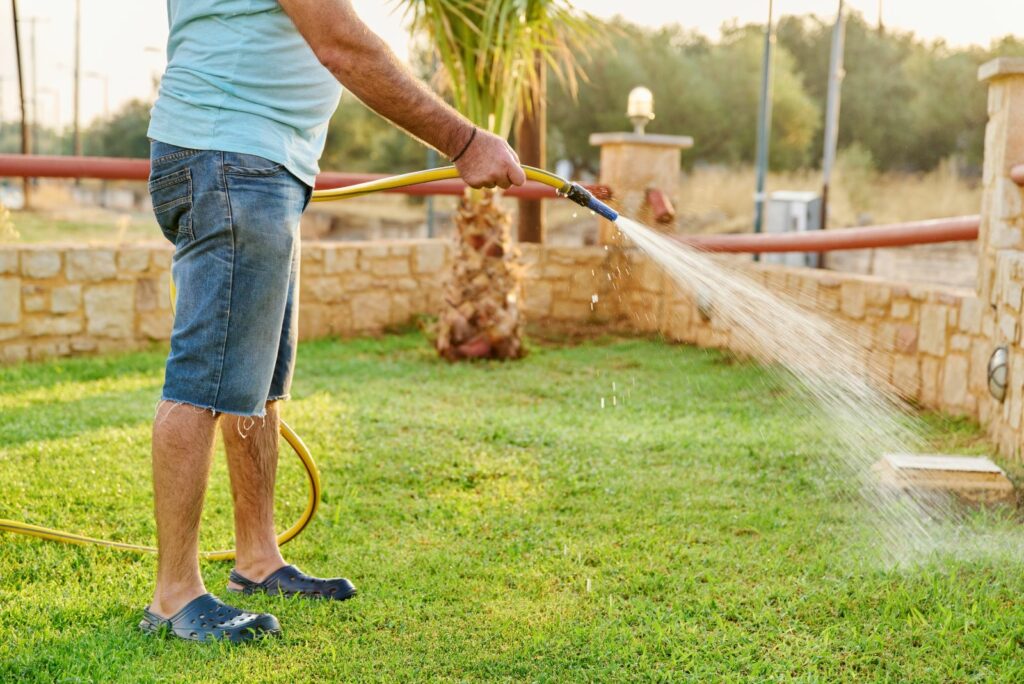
(280, 397)
(262, 413)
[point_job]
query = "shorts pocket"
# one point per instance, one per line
(172, 204)
(239, 164)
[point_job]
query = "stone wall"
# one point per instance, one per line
(62, 300)
(58, 300)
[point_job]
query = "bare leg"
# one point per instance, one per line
(251, 445)
(182, 447)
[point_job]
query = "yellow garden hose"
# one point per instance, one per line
(571, 190)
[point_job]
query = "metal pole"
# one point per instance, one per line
(77, 135)
(764, 123)
(35, 81)
(26, 144)
(835, 81)
(431, 217)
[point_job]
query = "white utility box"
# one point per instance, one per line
(793, 212)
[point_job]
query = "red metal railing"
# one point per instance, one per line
(893, 235)
(896, 235)
(110, 168)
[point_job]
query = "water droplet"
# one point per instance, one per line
(594, 298)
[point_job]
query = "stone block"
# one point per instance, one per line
(8, 260)
(970, 315)
(877, 295)
(828, 298)
(84, 345)
(1008, 327)
(91, 265)
(322, 289)
(931, 368)
(391, 267)
(339, 260)
(371, 250)
(10, 301)
(906, 339)
(429, 257)
(906, 376)
(47, 326)
(371, 311)
(562, 310)
(954, 382)
(852, 300)
(133, 260)
(66, 299)
(901, 309)
(402, 309)
(648, 276)
(160, 259)
(109, 310)
(33, 298)
(147, 294)
(14, 353)
(885, 336)
(959, 343)
(932, 333)
(40, 263)
(537, 297)
(155, 325)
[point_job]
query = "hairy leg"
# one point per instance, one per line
(182, 447)
(251, 445)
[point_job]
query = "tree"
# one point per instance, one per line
(123, 134)
(701, 89)
(487, 49)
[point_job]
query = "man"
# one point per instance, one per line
(237, 130)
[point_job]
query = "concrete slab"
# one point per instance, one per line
(973, 480)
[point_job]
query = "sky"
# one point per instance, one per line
(123, 40)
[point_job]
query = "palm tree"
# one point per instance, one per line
(491, 53)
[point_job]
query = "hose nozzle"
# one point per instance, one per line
(581, 196)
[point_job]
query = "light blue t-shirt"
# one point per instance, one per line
(241, 78)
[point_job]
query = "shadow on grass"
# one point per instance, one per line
(66, 419)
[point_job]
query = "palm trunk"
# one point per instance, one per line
(481, 317)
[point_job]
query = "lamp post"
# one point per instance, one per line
(640, 108)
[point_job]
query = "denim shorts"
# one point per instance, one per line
(234, 222)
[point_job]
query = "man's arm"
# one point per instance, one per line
(365, 65)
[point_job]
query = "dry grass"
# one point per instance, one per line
(719, 199)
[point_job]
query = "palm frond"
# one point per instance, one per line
(492, 51)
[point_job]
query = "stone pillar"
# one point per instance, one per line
(1001, 240)
(631, 163)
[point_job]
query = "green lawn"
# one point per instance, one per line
(500, 526)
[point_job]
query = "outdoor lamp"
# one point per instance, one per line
(997, 372)
(640, 108)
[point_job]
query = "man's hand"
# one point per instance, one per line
(489, 161)
(364, 64)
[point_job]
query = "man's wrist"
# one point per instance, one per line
(459, 139)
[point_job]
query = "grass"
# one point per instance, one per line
(500, 526)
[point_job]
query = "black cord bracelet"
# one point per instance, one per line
(466, 147)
